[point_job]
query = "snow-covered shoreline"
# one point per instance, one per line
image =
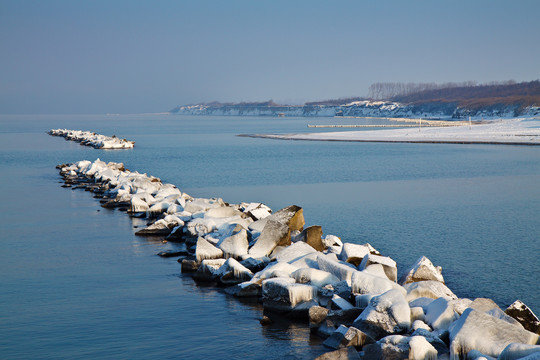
(518, 131)
(350, 292)
(92, 139)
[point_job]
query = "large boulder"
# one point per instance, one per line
(387, 314)
(395, 347)
(292, 216)
(389, 265)
(235, 245)
(232, 272)
(440, 314)
(353, 253)
(314, 277)
(209, 270)
(347, 353)
(521, 312)
(422, 270)
(273, 234)
(430, 289)
(519, 351)
(256, 211)
(476, 330)
(313, 237)
(339, 270)
(363, 282)
(205, 250)
(294, 252)
(283, 294)
(347, 336)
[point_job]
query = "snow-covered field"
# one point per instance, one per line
(524, 131)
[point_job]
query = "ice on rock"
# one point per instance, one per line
(476, 330)
(232, 272)
(315, 277)
(284, 294)
(246, 289)
(339, 270)
(440, 314)
(389, 265)
(419, 324)
(489, 307)
(295, 252)
(401, 347)
(377, 270)
(307, 261)
(203, 204)
(354, 253)
(363, 282)
(460, 305)
(345, 336)
(209, 270)
(422, 270)
(222, 212)
(274, 234)
(362, 301)
(521, 312)
(340, 303)
(138, 205)
(417, 313)
(278, 269)
(258, 226)
(291, 216)
(205, 250)
(235, 245)
(257, 211)
(422, 302)
(160, 227)
(332, 240)
(386, 314)
(430, 289)
(516, 351)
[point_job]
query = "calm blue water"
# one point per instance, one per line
(76, 282)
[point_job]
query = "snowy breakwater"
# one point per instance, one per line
(351, 293)
(92, 139)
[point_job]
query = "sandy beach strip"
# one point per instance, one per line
(506, 131)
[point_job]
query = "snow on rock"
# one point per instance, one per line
(345, 336)
(245, 289)
(256, 211)
(440, 314)
(92, 139)
(205, 250)
(203, 205)
(235, 245)
(332, 241)
(422, 270)
(401, 347)
(422, 302)
(353, 253)
(516, 351)
(419, 324)
(417, 313)
(363, 282)
(209, 270)
(387, 314)
(339, 270)
(377, 270)
(389, 265)
(295, 252)
(475, 330)
(292, 216)
(276, 269)
(232, 272)
(340, 303)
(521, 312)
(430, 288)
(284, 294)
(254, 265)
(314, 277)
(273, 234)
(160, 227)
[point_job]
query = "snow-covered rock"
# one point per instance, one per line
(292, 216)
(389, 265)
(284, 294)
(516, 351)
(521, 312)
(273, 234)
(205, 250)
(387, 314)
(340, 303)
(347, 336)
(476, 330)
(430, 288)
(209, 270)
(339, 270)
(353, 253)
(235, 245)
(294, 252)
(257, 211)
(440, 314)
(401, 347)
(232, 272)
(363, 282)
(422, 270)
(314, 277)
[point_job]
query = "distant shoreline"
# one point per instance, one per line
(502, 132)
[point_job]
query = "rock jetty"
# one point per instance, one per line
(350, 293)
(92, 139)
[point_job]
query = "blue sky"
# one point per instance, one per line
(149, 56)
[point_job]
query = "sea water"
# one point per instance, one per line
(77, 283)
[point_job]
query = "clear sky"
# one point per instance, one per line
(94, 56)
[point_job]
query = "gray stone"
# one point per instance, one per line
(347, 336)
(274, 234)
(348, 353)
